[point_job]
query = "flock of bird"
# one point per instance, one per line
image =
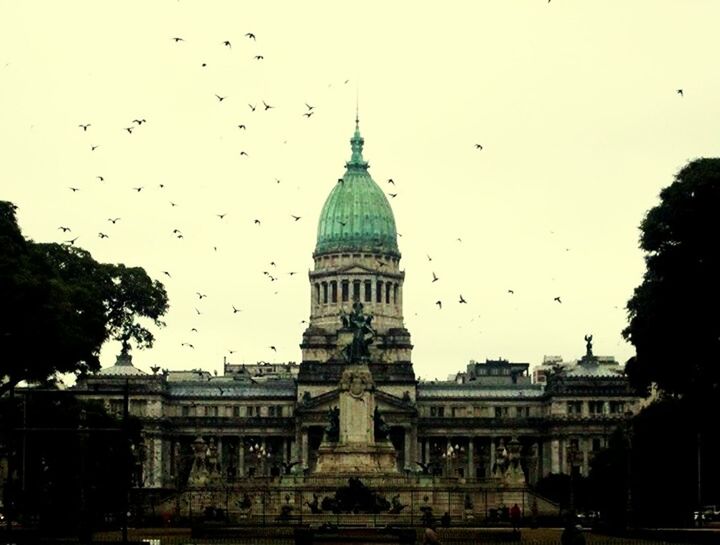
(139, 123)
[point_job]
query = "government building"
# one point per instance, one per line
(353, 406)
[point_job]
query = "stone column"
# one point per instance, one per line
(263, 459)
(585, 443)
(241, 457)
(304, 447)
(409, 463)
(555, 453)
(426, 450)
(219, 447)
(471, 458)
(492, 457)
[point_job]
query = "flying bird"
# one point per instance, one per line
(138, 189)
(166, 274)
(220, 99)
(71, 242)
(439, 304)
(221, 216)
(478, 146)
(65, 229)
(429, 258)
(200, 295)
(309, 107)
(462, 300)
(308, 114)
(393, 195)
(187, 344)
(198, 312)
(267, 106)
(557, 299)
(227, 43)
(250, 35)
(177, 39)
(341, 181)
(129, 129)
(139, 121)
(252, 108)
(193, 330)
(100, 178)
(511, 291)
(243, 127)
(113, 220)
(74, 189)
(680, 92)
(85, 126)
(391, 181)
(244, 153)
(103, 235)
(273, 348)
(93, 148)
(295, 217)
(342, 223)
(435, 278)
(259, 57)
(236, 310)
(173, 204)
(257, 222)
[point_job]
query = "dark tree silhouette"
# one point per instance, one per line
(674, 315)
(59, 306)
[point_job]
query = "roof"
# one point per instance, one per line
(426, 390)
(123, 368)
(233, 389)
(356, 215)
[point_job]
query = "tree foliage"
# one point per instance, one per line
(674, 315)
(59, 306)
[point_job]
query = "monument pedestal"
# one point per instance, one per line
(355, 458)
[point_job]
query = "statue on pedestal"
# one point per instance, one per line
(363, 334)
(588, 346)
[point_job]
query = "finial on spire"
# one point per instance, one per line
(356, 142)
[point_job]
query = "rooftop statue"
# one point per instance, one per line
(588, 346)
(363, 333)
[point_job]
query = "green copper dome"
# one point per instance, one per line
(356, 216)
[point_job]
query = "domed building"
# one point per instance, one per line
(479, 439)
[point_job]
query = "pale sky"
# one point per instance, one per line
(574, 102)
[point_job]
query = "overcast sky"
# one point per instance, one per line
(575, 105)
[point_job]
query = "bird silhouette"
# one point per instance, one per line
(273, 348)
(64, 229)
(462, 300)
(173, 204)
(221, 216)
(252, 108)
(235, 310)
(435, 278)
(292, 273)
(113, 220)
(342, 223)
(139, 121)
(429, 258)
(243, 127)
(177, 39)
(341, 181)
(103, 235)
(308, 114)
(197, 311)
(100, 178)
(193, 330)
(220, 99)
(166, 274)
(71, 242)
(93, 148)
(250, 35)
(85, 126)
(393, 195)
(257, 222)
(258, 57)
(267, 106)
(200, 295)
(557, 299)
(187, 344)
(380, 263)
(391, 181)
(309, 107)
(439, 304)
(680, 92)
(227, 43)
(478, 146)
(295, 217)
(138, 189)
(244, 153)
(129, 129)
(176, 231)
(74, 189)
(511, 291)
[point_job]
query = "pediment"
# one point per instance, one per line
(356, 269)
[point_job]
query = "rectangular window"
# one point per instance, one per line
(325, 292)
(523, 412)
(185, 410)
(333, 291)
(345, 290)
(236, 410)
(574, 408)
(595, 407)
(211, 411)
(387, 293)
(271, 410)
(356, 290)
(368, 291)
(437, 411)
(378, 291)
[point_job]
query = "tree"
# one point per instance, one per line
(674, 318)
(59, 306)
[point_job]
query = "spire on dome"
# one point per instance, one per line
(356, 143)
